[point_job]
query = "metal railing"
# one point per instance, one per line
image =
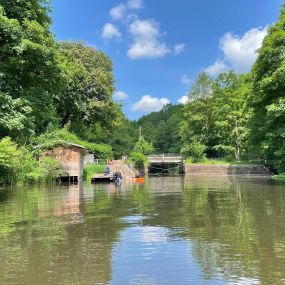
(165, 158)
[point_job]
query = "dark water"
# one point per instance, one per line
(194, 230)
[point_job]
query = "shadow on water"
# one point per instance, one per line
(168, 230)
(4, 195)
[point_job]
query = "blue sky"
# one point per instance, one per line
(159, 46)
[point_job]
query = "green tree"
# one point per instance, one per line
(8, 160)
(86, 99)
(230, 115)
(29, 60)
(161, 128)
(196, 124)
(194, 150)
(215, 120)
(15, 118)
(202, 87)
(268, 120)
(124, 138)
(138, 159)
(143, 146)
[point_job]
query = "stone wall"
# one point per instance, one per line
(226, 169)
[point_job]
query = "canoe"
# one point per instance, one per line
(139, 180)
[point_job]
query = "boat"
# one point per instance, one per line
(139, 180)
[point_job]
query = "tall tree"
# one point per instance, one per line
(86, 99)
(15, 119)
(215, 122)
(230, 115)
(29, 63)
(268, 102)
(195, 128)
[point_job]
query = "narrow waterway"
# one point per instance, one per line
(192, 230)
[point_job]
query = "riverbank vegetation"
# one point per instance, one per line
(91, 169)
(20, 164)
(62, 91)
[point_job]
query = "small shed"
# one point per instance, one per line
(71, 158)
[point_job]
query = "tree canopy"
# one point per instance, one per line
(267, 97)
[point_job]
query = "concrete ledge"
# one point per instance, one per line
(242, 169)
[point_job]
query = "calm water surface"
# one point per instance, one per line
(193, 230)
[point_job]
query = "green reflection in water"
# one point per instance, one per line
(235, 227)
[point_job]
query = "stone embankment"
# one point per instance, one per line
(118, 165)
(226, 169)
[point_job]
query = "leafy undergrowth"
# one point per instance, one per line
(280, 176)
(91, 169)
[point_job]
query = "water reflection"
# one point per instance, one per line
(193, 230)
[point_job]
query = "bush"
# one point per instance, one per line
(20, 165)
(195, 151)
(138, 159)
(143, 146)
(9, 160)
(101, 151)
(50, 168)
(28, 170)
(64, 137)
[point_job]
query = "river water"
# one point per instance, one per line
(194, 230)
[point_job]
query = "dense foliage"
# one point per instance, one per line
(53, 92)
(20, 164)
(46, 84)
(267, 98)
(64, 136)
(161, 128)
(241, 117)
(86, 99)
(215, 121)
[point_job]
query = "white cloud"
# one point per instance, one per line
(145, 40)
(110, 31)
(118, 12)
(179, 48)
(120, 95)
(218, 67)
(150, 104)
(183, 100)
(240, 52)
(135, 4)
(185, 79)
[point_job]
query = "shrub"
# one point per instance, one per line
(20, 165)
(143, 146)
(138, 159)
(9, 159)
(101, 151)
(50, 168)
(28, 170)
(195, 151)
(64, 137)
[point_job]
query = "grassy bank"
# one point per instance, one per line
(280, 176)
(91, 169)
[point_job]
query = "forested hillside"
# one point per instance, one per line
(162, 128)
